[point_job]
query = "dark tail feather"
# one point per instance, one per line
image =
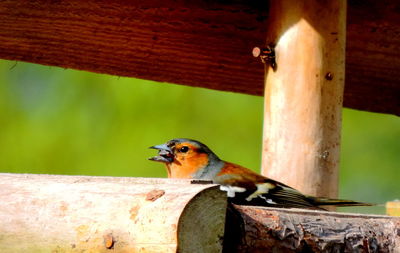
(336, 202)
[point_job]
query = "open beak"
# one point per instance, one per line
(165, 154)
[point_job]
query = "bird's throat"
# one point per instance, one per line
(186, 168)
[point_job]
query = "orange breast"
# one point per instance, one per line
(186, 168)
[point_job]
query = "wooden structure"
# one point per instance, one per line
(304, 94)
(276, 230)
(95, 214)
(208, 44)
(198, 43)
(393, 208)
(105, 214)
(328, 54)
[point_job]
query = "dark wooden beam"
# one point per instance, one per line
(198, 43)
(373, 56)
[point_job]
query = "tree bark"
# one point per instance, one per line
(257, 229)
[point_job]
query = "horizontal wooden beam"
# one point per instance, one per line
(44, 213)
(258, 229)
(197, 43)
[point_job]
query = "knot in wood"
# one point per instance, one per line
(329, 76)
(154, 195)
(108, 241)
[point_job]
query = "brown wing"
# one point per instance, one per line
(236, 175)
(250, 188)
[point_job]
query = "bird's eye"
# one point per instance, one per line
(184, 149)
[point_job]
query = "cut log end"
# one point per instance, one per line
(201, 225)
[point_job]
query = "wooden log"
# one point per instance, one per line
(198, 43)
(43, 213)
(257, 229)
(303, 97)
(393, 208)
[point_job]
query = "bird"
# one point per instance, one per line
(191, 159)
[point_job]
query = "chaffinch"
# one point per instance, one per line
(186, 158)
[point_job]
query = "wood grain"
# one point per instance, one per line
(304, 95)
(198, 43)
(50, 213)
(44, 213)
(257, 229)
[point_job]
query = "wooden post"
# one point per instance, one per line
(43, 213)
(393, 208)
(304, 96)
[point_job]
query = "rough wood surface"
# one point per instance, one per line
(198, 43)
(304, 95)
(43, 213)
(257, 229)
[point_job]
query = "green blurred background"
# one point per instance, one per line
(61, 121)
